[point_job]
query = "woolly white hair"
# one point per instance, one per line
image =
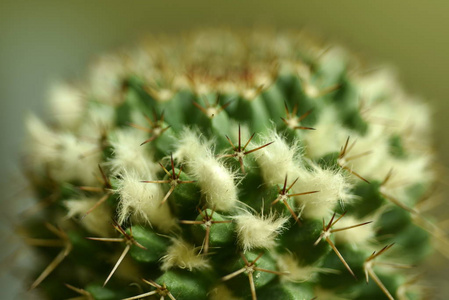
(332, 63)
(258, 231)
(277, 160)
(414, 169)
(373, 148)
(67, 104)
(75, 160)
(377, 85)
(105, 78)
(63, 151)
(406, 173)
(294, 271)
(332, 186)
(389, 106)
(358, 236)
(143, 202)
(98, 221)
(280, 160)
(42, 139)
(402, 115)
(129, 155)
(183, 255)
(100, 118)
(329, 137)
(215, 180)
(142, 64)
(413, 122)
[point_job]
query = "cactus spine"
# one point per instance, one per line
(223, 165)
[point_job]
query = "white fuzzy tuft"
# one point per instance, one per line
(63, 152)
(387, 105)
(183, 255)
(100, 118)
(98, 221)
(215, 180)
(42, 140)
(67, 104)
(357, 236)
(333, 63)
(217, 183)
(369, 166)
(129, 155)
(258, 231)
(142, 201)
(413, 121)
(77, 160)
(328, 137)
(377, 85)
(280, 160)
(192, 148)
(276, 160)
(414, 170)
(332, 186)
(406, 173)
(296, 273)
(105, 79)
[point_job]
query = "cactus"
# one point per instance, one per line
(220, 165)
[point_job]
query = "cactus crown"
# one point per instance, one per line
(221, 165)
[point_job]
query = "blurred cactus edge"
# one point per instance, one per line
(227, 165)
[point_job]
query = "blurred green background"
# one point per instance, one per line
(45, 40)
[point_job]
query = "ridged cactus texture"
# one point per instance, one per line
(219, 165)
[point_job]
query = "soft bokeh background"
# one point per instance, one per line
(44, 40)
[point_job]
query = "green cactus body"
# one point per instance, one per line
(231, 166)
